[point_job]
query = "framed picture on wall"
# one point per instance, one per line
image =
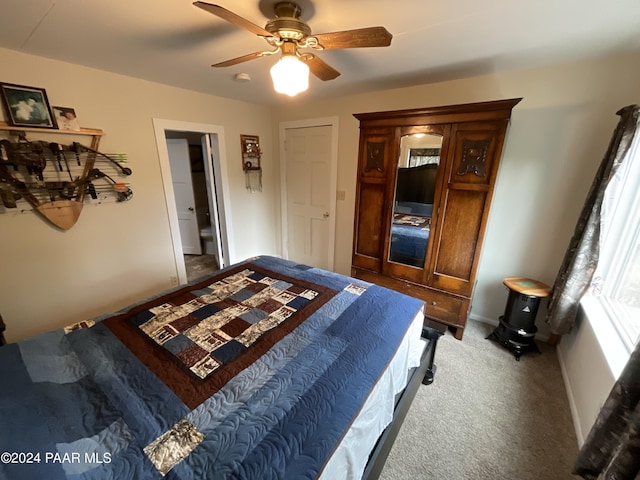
(66, 118)
(27, 106)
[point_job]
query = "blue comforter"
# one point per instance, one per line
(84, 404)
(409, 241)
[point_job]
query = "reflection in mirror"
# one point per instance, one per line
(415, 191)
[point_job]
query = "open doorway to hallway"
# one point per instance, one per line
(199, 243)
(196, 194)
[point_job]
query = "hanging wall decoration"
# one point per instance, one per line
(54, 180)
(251, 153)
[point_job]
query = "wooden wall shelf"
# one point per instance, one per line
(83, 131)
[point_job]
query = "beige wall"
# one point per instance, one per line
(118, 253)
(558, 134)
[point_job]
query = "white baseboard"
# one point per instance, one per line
(481, 319)
(572, 401)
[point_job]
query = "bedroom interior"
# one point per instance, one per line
(119, 254)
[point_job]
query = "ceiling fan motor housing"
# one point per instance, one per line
(287, 24)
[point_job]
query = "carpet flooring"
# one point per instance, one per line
(487, 416)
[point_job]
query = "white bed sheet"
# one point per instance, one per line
(352, 453)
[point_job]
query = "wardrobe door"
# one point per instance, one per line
(464, 204)
(374, 166)
(416, 180)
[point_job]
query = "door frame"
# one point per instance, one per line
(333, 182)
(208, 143)
(218, 178)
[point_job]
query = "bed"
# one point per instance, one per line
(410, 233)
(266, 370)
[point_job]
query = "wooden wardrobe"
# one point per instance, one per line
(424, 186)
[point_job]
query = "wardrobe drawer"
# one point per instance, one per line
(446, 308)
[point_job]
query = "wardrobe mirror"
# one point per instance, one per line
(415, 191)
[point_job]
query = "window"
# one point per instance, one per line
(423, 156)
(617, 279)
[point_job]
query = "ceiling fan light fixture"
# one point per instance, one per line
(287, 34)
(290, 75)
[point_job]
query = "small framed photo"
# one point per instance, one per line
(27, 106)
(66, 118)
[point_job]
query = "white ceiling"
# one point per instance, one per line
(174, 42)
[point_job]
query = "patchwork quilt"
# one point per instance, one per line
(254, 373)
(419, 221)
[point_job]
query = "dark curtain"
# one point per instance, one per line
(581, 257)
(612, 448)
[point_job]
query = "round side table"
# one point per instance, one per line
(517, 326)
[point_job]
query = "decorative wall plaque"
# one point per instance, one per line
(474, 157)
(375, 156)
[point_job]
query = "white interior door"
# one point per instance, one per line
(178, 149)
(310, 201)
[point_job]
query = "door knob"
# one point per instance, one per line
(325, 214)
(190, 209)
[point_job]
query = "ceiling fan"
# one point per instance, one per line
(287, 34)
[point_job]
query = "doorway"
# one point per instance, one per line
(196, 195)
(309, 159)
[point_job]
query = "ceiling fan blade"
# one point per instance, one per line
(237, 60)
(362, 37)
(320, 68)
(231, 17)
